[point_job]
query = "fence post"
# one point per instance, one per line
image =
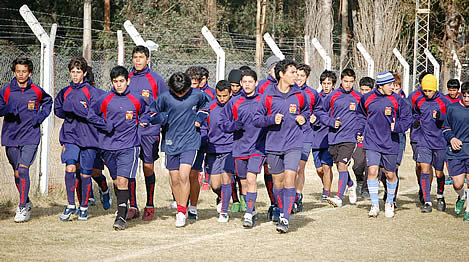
(120, 48)
(406, 66)
(273, 46)
(436, 66)
(218, 50)
(458, 65)
(137, 38)
(368, 58)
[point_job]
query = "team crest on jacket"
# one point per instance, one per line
(146, 93)
(352, 106)
(129, 115)
(292, 109)
(434, 113)
(387, 111)
(84, 104)
(31, 104)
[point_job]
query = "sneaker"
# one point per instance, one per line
(270, 212)
(218, 205)
(106, 198)
(374, 211)
(248, 221)
(466, 216)
(323, 198)
(365, 193)
(234, 207)
(180, 219)
(395, 205)
(299, 204)
(282, 226)
(22, 215)
(334, 201)
(91, 201)
(441, 204)
(458, 208)
(173, 205)
(83, 214)
(352, 194)
(448, 180)
(119, 223)
(223, 218)
(191, 215)
(132, 213)
(276, 214)
(205, 187)
(68, 212)
(242, 204)
(427, 207)
(389, 210)
(148, 213)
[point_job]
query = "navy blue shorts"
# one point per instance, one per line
(434, 157)
(98, 161)
(278, 162)
(414, 150)
(200, 157)
(306, 150)
(174, 161)
(322, 157)
(386, 161)
(123, 163)
(149, 148)
(73, 154)
(252, 164)
(23, 155)
(219, 163)
(402, 142)
(458, 167)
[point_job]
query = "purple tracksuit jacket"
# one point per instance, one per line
(315, 107)
(209, 91)
(320, 131)
(413, 99)
(218, 140)
(264, 83)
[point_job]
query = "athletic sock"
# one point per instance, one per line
(225, 197)
(391, 190)
(251, 202)
(343, 181)
(70, 184)
(207, 178)
(240, 186)
(102, 183)
(91, 195)
(373, 186)
(349, 180)
(297, 197)
(461, 193)
(78, 186)
(192, 209)
(278, 194)
(269, 185)
(133, 192)
(234, 190)
(218, 191)
(85, 191)
(425, 182)
(288, 200)
(182, 209)
(17, 183)
(397, 185)
(24, 185)
(440, 181)
(467, 205)
(122, 198)
(150, 186)
(325, 192)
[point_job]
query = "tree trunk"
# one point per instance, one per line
(87, 30)
(344, 33)
(107, 15)
(212, 15)
(450, 42)
(260, 29)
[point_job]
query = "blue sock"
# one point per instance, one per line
(373, 186)
(343, 181)
(391, 191)
(278, 196)
(425, 182)
(24, 185)
(132, 192)
(85, 191)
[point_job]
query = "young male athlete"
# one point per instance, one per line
(341, 106)
(24, 106)
(431, 113)
(180, 111)
(283, 110)
(148, 85)
(456, 133)
(453, 91)
(234, 77)
(386, 115)
(248, 140)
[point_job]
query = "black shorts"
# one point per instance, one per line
(342, 152)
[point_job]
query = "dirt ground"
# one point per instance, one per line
(318, 233)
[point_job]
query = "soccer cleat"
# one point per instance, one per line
(82, 214)
(223, 218)
(205, 187)
(298, 206)
(191, 215)
(448, 180)
(148, 213)
(466, 216)
(234, 207)
(106, 198)
(68, 212)
(132, 213)
(374, 211)
(352, 194)
(389, 210)
(22, 215)
(91, 201)
(270, 212)
(173, 205)
(276, 214)
(441, 204)
(459, 207)
(282, 226)
(180, 219)
(248, 221)
(323, 198)
(242, 204)
(334, 201)
(119, 223)
(427, 207)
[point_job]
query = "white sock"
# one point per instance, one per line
(460, 193)
(193, 209)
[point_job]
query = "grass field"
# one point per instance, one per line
(318, 233)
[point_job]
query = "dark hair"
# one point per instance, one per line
(119, 71)
(453, 83)
(203, 71)
(465, 88)
(22, 61)
(244, 67)
(304, 67)
(397, 77)
(282, 66)
(249, 72)
(223, 85)
(179, 82)
(422, 75)
(78, 62)
(367, 81)
(347, 72)
(194, 72)
(90, 75)
(328, 74)
(141, 49)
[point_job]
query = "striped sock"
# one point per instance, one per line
(440, 183)
(288, 200)
(278, 194)
(391, 191)
(85, 191)
(343, 181)
(250, 202)
(373, 186)
(225, 197)
(24, 185)
(133, 192)
(425, 182)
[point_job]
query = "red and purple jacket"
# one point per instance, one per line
(24, 109)
(431, 134)
(148, 85)
(456, 125)
(315, 107)
(117, 117)
(218, 140)
(378, 111)
(413, 99)
(248, 140)
(343, 104)
(320, 131)
(72, 104)
(454, 100)
(288, 134)
(265, 83)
